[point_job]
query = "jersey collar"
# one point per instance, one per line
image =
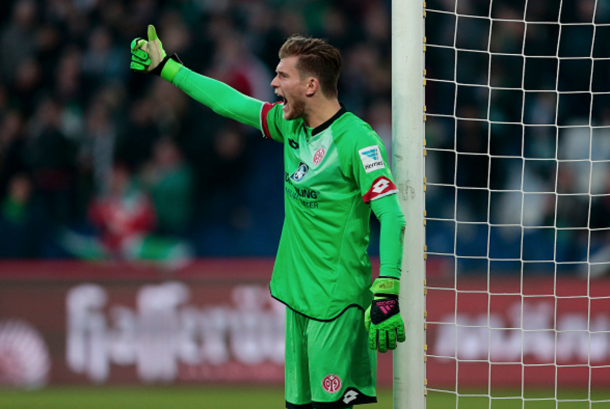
(318, 129)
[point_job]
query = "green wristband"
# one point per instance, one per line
(384, 285)
(170, 69)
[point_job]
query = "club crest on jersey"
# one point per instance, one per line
(300, 173)
(331, 383)
(318, 156)
(371, 158)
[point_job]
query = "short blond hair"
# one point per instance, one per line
(316, 58)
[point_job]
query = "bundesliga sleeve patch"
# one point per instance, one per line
(381, 187)
(371, 158)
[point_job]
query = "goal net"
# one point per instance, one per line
(517, 171)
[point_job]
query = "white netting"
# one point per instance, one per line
(518, 202)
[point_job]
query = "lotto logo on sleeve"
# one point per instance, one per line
(381, 187)
(371, 158)
(331, 383)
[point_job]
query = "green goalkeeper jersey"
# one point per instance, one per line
(331, 175)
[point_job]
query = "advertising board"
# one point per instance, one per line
(215, 322)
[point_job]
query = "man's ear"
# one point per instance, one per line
(312, 86)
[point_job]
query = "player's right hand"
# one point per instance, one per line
(147, 56)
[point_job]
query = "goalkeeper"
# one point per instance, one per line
(335, 172)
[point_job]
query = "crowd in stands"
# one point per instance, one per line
(529, 90)
(98, 162)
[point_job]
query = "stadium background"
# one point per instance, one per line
(191, 187)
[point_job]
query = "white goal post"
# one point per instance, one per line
(408, 146)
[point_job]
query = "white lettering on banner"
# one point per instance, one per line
(85, 350)
(482, 336)
(164, 331)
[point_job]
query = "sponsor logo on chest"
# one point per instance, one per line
(300, 173)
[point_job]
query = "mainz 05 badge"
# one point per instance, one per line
(317, 158)
(331, 383)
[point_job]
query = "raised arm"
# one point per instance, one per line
(149, 57)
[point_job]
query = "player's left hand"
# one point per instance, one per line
(382, 319)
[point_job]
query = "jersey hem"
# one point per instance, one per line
(319, 319)
(363, 400)
(359, 399)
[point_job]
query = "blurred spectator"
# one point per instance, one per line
(234, 65)
(68, 77)
(139, 132)
(26, 85)
(364, 77)
(103, 62)
(22, 221)
(473, 167)
(12, 148)
(123, 214)
(169, 181)
(222, 177)
(51, 156)
(97, 149)
(18, 39)
(379, 116)
(599, 253)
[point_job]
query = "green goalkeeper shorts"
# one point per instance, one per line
(329, 364)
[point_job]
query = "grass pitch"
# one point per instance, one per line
(249, 397)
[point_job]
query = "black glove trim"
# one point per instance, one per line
(390, 296)
(157, 70)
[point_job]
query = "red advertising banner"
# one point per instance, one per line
(511, 332)
(212, 322)
(82, 323)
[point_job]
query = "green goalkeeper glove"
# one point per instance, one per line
(382, 319)
(149, 57)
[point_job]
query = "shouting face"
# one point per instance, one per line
(290, 87)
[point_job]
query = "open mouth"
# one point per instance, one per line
(282, 98)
